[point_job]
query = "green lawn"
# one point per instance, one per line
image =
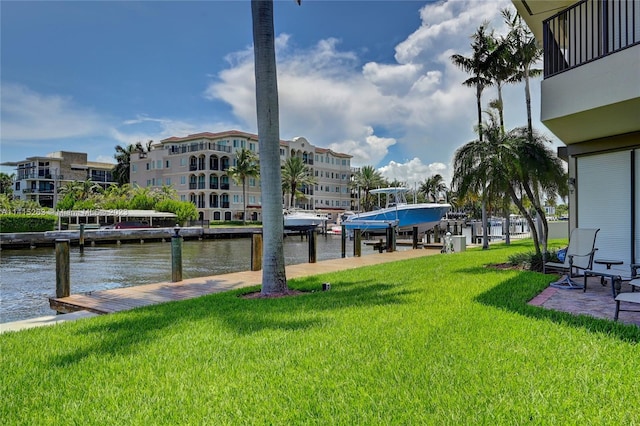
(437, 340)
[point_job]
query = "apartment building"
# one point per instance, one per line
(196, 166)
(591, 102)
(38, 178)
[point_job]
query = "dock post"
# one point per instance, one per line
(391, 244)
(415, 237)
(256, 251)
(176, 255)
(357, 250)
(311, 238)
(81, 238)
(343, 241)
(63, 271)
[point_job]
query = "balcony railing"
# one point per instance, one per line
(201, 146)
(587, 31)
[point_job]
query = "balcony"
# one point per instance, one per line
(591, 88)
(587, 31)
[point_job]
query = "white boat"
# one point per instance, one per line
(303, 220)
(398, 212)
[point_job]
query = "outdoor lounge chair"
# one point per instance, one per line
(579, 256)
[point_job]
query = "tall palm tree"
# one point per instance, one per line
(366, 179)
(432, 186)
(478, 65)
(295, 174)
(246, 166)
(274, 279)
(524, 54)
(482, 167)
(123, 155)
(6, 184)
(540, 174)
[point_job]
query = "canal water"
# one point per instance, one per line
(28, 277)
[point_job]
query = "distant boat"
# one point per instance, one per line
(303, 220)
(398, 212)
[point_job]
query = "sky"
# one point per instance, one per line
(372, 79)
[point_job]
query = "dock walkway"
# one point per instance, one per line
(122, 299)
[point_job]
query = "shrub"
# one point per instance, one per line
(184, 210)
(531, 260)
(27, 222)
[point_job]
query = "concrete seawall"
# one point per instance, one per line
(91, 236)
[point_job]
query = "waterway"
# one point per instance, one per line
(27, 277)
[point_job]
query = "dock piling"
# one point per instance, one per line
(357, 249)
(63, 271)
(176, 255)
(343, 241)
(256, 251)
(311, 238)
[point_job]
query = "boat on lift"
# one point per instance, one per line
(303, 220)
(397, 212)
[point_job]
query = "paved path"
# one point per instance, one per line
(121, 299)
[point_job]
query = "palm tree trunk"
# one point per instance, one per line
(527, 95)
(479, 107)
(485, 226)
(528, 218)
(274, 279)
(244, 201)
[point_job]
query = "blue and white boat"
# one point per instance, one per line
(398, 212)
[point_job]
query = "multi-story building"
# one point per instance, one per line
(38, 178)
(591, 102)
(196, 166)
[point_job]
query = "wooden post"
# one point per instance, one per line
(256, 251)
(343, 241)
(176, 255)
(63, 270)
(357, 250)
(311, 238)
(81, 238)
(390, 237)
(415, 237)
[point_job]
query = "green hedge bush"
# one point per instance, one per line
(10, 223)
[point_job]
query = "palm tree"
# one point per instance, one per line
(120, 171)
(540, 173)
(482, 167)
(432, 186)
(295, 174)
(6, 184)
(274, 279)
(366, 179)
(246, 166)
(524, 54)
(479, 66)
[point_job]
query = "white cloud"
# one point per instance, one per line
(416, 104)
(27, 115)
(413, 171)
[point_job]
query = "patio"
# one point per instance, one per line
(597, 301)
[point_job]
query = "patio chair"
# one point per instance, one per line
(579, 256)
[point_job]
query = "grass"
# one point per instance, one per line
(436, 340)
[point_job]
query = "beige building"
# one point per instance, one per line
(196, 166)
(39, 178)
(591, 102)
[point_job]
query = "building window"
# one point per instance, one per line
(159, 164)
(148, 182)
(167, 164)
(236, 199)
(167, 181)
(252, 181)
(134, 168)
(183, 161)
(148, 166)
(252, 199)
(183, 180)
(252, 146)
(183, 198)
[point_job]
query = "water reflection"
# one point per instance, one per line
(28, 277)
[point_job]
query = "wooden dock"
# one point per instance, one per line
(122, 299)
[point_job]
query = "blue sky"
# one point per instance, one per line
(369, 78)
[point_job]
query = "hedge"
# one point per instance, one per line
(10, 223)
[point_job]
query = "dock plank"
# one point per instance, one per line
(126, 298)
